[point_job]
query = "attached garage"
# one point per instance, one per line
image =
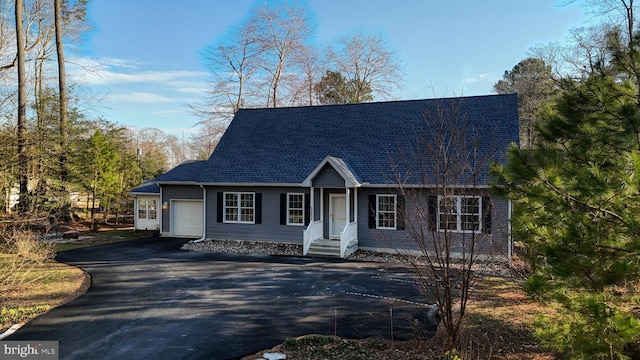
(187, 218)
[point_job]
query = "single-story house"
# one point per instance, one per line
(145, 206)
(342, 177)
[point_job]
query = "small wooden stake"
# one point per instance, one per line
(391, 315)
(335, 322)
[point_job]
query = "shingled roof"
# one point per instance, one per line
(146, 188)
(187, 172)
(284, 145)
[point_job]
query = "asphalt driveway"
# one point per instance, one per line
(151, 300)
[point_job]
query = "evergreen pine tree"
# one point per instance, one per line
(576, 207)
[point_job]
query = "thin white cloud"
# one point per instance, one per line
(479, 78)
(144, 94)
(192, 90)
(111, 71)
(107, 63)
(177, 111)
(107, 77)
(122, 63)
(141, 97)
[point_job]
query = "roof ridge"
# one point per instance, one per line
(449, 98)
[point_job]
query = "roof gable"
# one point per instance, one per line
(350, 180)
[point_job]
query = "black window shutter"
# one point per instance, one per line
(220, 207)
(258, 204)
(283, 209)
(372, 211)
(307, 209)
(400, 211)
(432, 207)
(486, 214)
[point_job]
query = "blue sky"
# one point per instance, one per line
(147, 53)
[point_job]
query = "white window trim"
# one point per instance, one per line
(141, 208)
(459, 214)
(149, 209)
(239, 207)
(395, 212)
(289, 212)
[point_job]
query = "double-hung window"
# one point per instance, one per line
(142, 208)
(147, 209)
(460, 213)
(295, 209)
(386, 212)
(239, 207)
(153, 209)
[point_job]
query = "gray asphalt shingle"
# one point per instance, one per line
(147, 187)
(376, 141)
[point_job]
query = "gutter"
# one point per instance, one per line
(204, 216)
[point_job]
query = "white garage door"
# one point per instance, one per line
(187, 218)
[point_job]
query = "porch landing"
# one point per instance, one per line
(324, 248)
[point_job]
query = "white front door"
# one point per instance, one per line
(337, 215)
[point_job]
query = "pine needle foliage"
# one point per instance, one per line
(577, 210)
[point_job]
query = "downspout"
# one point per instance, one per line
(509, 232)
(135, 212)
(161, 212)
(204, 215)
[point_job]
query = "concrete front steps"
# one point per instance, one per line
(325, 248)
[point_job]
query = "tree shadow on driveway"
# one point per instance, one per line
(149, 299)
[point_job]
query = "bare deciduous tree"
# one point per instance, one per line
(367, 61)
(151, 142)
(204, 142)
(233, 62)
(448, 216)
(254, 62)
(21, 131)
(62, 93)
(177, 151)
(8, 57)
(585, 50)
(283, 30)
(309, 60)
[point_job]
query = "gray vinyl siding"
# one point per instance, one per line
(496, 243)
(374, 238)
(271, 230)
(268, 230)
(316, 204)
(328, 177)
(176, 192)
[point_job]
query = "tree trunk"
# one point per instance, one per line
(62, 88)
(93, 200)
(22, 111)
(38, 103)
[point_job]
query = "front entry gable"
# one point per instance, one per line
(333, 230)
(331, 172)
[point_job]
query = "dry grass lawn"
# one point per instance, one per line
(47, 284)
(56, 284)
